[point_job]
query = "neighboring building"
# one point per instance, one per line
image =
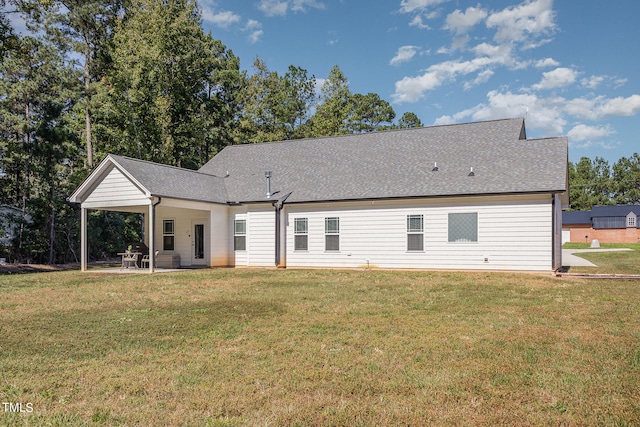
(607, 224)
(466, 196)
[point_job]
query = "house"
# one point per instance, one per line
(465, 196)
(607, 224)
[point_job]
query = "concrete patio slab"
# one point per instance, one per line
(571, 260)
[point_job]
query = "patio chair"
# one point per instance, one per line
(145, 259)
(129, 260)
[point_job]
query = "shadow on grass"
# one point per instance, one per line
(87, 334)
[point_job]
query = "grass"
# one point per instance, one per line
(608, 262)
(319, 347)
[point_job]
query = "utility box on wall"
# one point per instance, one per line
(168, 261)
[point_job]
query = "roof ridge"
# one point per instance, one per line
(115, 156)
(317, 138)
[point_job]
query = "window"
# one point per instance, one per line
(301, 234)
(168, 234)
(240, 235)
(631, 221)
(415, 233)
(332, 234)
(463, 227)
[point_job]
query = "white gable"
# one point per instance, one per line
(116, 189)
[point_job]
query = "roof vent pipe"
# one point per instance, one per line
(435, 167)
(471, 172)
(267, 175)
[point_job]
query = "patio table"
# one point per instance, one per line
(129, 259)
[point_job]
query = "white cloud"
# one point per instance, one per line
(404, 54)
(410, 6)
(559, 77)
(551, 115)
(274, 7)
(518, 23)
(302, 5)
(333, 38)
(281, 7)
(621, 106)
(619, 82)
(482, 77)
(501, 54)
(412, 89)
(461, 22)
(547, 62)
(223, 19)
(540, 113)
(582, 132)
(592, 82)
(254, 28)
(417, 22)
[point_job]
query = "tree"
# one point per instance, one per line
(162, 93)
(276, 107)
(332, 114)
(626, 179)
(8, 39)
(36, 146)
(299, 98)
(590, 183)
(84, 27)
(368, 112)
(263, 100)
(409, 120)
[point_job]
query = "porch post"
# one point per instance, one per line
(152, 229)
(83, 239)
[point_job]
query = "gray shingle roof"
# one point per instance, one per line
(168, 181)
(576, 217)
(396, 164)
(614, 210)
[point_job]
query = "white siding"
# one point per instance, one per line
(261, 231)
(115, 190)
(514, 233)
(239, 258)
(220, 236)
(183, 241)
(260, 235)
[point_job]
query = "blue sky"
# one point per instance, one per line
(571, 68)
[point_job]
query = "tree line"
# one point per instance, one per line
(139, 78)
(596, 182)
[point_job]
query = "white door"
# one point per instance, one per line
(198, 242)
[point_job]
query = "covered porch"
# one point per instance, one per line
(184, 223)
(178, 234)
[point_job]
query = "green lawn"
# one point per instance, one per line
(627, 262)
(319, 347)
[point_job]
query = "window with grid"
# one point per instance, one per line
(631, 221)
(240, 235)
(332, 234)
(168, 234)
(301, 234)
(415, 233)
(463, 227)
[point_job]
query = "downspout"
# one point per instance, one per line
(152, 231)
(553, 231)
(278, 205)
(556, 225)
